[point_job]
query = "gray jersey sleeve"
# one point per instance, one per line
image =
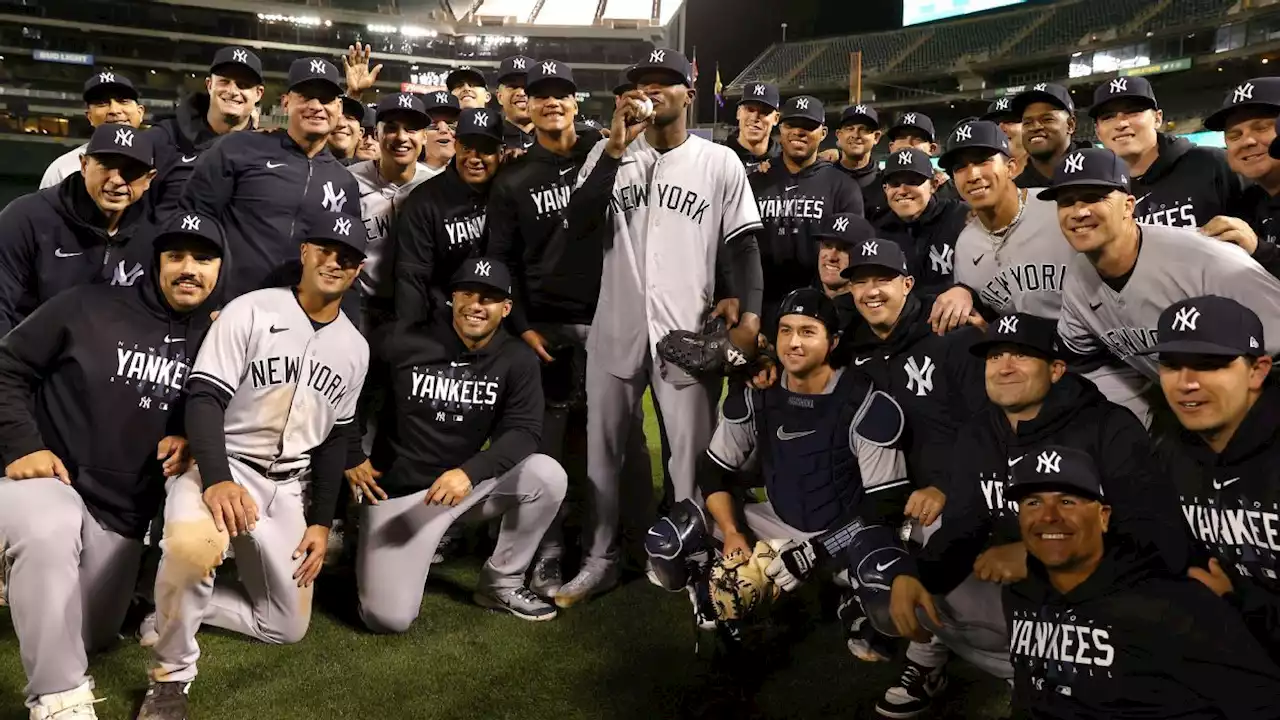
(224, 354)
(873, 437)
(741, 214)
(1255, 288)
(733, 445)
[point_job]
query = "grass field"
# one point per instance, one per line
(626, 656)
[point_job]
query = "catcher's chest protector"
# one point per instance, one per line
(809, 465)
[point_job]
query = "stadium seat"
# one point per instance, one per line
(1073, 21)
(953, 41)
(1184, 12)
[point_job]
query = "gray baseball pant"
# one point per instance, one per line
(398, 538)
(70, 581)
(265, 603)
(689, 411)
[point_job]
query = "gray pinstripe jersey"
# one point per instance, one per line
(1026, 272)
(1174, 264)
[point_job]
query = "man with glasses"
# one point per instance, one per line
(110, 99)
(438, 150)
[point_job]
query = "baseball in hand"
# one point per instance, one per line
(644, 109)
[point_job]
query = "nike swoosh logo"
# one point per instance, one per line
(62, 253)
(1016, 460)
(1144, 197)
(168, 340)
(458, 364)
(275, 330)
(626, 162)
(784, 435)
(793, 187)
(655, 534)
(1218, 486)
(1094, 307)
(886, 566)
(978, 259)
(273, 166)
(861, 361)
(565, 171)
(191, 159)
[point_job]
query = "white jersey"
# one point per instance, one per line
(379, 203)
(669, 215)
(1173, 264)
(62, 168)
(1024, 271)
(288, 383)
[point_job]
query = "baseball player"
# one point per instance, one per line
(443, 109)
(1175, 182)
(369, 148)
(757, 116)
(261, 186)
(1126, 274)
(671, 202)
(517, 126)
(465, 402)
(1048, 124)
(469, 86)
(385, 187)
(110, 99)
(90, 228)
(924, 225)
(90, 386)
(344, 139)
(915, 130)
(1000, 112)
(1248, 121)
(272, 396)
(232, 91)
(858, 134)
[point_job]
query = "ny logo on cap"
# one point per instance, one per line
(909, 119)
(548, 68)
(124, 137)
(191, 222)
(1120, 85)
(1242, 93)
(1008, 325)
(904, 158)
(106, 77)
(841, 224)
(483, 268)
(518, 63)
(317, 66)
(658, 56)
(1185, 319)
(1048, 462)
(442, 98)
(759, 90)
(1041, 87)
(240, 56)
(1075, 163)
(802, 103)
(482, 119)
(860, 109)
(964, 132)
(342, 226)
(1002, 103)
(870, 248)
(333, 199)
(406, 101)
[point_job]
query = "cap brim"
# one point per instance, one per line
(163, 239)
(529, 89)
(501, 79)
(1197, 347)
(1019, 490)
(980, 349)
(802, 116)
(1096, 110)
(477, 283)
(1051, 193)
(324, 80)
(112, 90)
(860, 120)
(477, 134)
(884, 176)
(757, 101)
(999, 117)
(456, 77)
(893, 131)
(1217, 122)
(848, 272)
(213, 69)
(945, 161)
(1031, 97)
(113, 151)
(634, 73)
(383, 114)
(353, 108)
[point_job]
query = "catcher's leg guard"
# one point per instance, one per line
(677, 546)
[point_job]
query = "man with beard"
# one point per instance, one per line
(1048, 124)
(110, 99)
(90, 228)
(439, 147)
(231, 92)
(1176, 183)
(517, 127)
(469, 87)
(793, 197)
(858, 135)
(914, 130)
(91, 388)
(923, 225)
(1001, 113)
(369, 147)
(757, 116)
(259, 185)
(344, 139)
(443, 223)
(385, 187)
(1248, 121)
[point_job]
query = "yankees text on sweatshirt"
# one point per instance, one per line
(1187, 186)
(441, 224)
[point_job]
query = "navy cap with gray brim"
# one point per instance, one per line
(370, 121)
(912, 121)
(1209, 325)
(981, 134)
(1054, 468)
(763, 93)
(514, 66)
(109, 84)
(1051, 93)
(324, 226)
(844, 229)
(1030, 332)
(1000, 110)
(484, 272)
(1136, 90)
(191, 224)
(465, 75)
(909, 161)
(664, 59)
(804, 107)
(1090, 167)
(1263, 92)
(111, 139)
(624, 83)
(438, 100)
(314, 69)
(876, 252)
(814, 303)
(860, 115)
(546, 73)
(402, 103)
(352, 108)
(236, 55)
(479, 122)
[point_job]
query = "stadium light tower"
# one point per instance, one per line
(784, 33)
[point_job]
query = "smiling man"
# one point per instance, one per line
(1248, 119)
(517, 126)
(1048, 125)
(110, 99)
(857, 136)
(757, 116)
(260, 185)
(1126, 639)
(1000, 112)
(923, 224)
(469, 86)
(344, 139)
(439, 148)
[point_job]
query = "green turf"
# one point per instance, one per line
(626, 656)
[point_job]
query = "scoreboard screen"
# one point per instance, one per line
(915, 12)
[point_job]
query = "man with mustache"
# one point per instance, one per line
(90, 386)
(1048, 120)
(110, 99)
(1248, 119)
(439, 146)
(858, 135)
(271, 398)
(757, 116)
(923, 224)
(261, 185)
(435, 468)
(469, 86)
(517, 127)
(232, 91)
(90, 228)
(344, 139)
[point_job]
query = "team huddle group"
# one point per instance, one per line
(1019, 408)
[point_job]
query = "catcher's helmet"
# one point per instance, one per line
(813, 303)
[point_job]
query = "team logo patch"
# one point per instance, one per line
(124, 137)
(658, 56)
(106, 77)
(1120, 85)
(406, 101)
(482, 119)
(1185, 319)
(802, 103)
(342, 226)
(964, 132)
(1048, 462)
(483, 268)
(841, 224)
(442, 98)
(1242, 93)
(548, 68)
(1040, 87)
(240, 56)
(1075, 163)
(317, 66)
(870, 248)
(1008, 325)
(909, 119)
(759, 91)
(518, 63)
(1002, 103)
(191, 222)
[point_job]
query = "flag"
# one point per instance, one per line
(719, 87)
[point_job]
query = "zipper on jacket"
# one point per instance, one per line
(305, 186)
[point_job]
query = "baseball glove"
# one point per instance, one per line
(706, 355)
(738, 586)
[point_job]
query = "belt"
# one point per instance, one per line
(273, 475)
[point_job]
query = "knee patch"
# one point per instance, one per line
(194, 548)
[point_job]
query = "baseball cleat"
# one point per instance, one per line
(586, 584)
(165, 701)
(545, 579)
(520, 602)
(74, 704)
(914, 692)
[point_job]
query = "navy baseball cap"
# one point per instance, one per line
(465, 75)
(1135, 89)
(860, 115)
(1051, 93)
(664, 59)
(912, 121)
(1209, 325)
(624, 83)
(1263, 92)
(845, 228)
(910, 161)
(123, 140)
(440, 102)
(982, 134)
(236, 55)
(480, 122)
(485, 272)
(1054, 468)
(1030, 332)
(550, 74)
(1001, 110)
(352, 108)
(812, 302)
(402, 103)
(1090, 167)
(763, 93)
(804, 107)
(876, 252)
(513, 67)
(370, 120)
(315, 69)
(325, 227)
(191, 224)
(109, 84)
